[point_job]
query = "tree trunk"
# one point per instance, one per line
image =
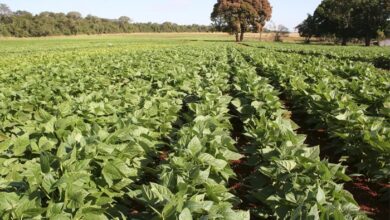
(367, 41)
(344, 41)
(242, 36)
(237, 37)
(261, 32)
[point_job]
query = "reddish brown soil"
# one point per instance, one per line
(240, 167)
(367, 194)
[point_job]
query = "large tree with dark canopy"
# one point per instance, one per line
(240, 16)
(335, 17)
(346, 19)
(371, 16)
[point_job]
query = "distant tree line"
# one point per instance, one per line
(25, 24)
(348, 19)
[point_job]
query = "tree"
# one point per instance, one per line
(124, 20)
(308, 28)
(25, 24)
(279, 30)
(346, 19)
(336, 17)
(370, 18)
(282, 29)
(240, 16)
(124, 23)
(5, 10)
(74, 15)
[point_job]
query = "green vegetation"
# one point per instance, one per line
(25, 24)
(187, 128)
(347, 19)
(240, 16)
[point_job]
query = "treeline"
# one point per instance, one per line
(347, 20)
(25, 24)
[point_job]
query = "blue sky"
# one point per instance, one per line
(287, 12)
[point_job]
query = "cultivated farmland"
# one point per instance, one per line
(134, 128)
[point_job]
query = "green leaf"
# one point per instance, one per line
(8, 200)
(55, 209)
(20, 145)
(185, 215)
(342, 117)
(314, 213)
(45, 162)
(320, 196)
(236, 103)
(312, 152)
(289, 165)
(110, 173)
(74, 197)
(3, 137)
(65, 108)
(156, 193)
(48, 182)
(195, 146)
(217, 164)
(291, 198)
(230, 155)
(28, 208)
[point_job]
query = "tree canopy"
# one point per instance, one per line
(346, 19)
(25, 24)
(5, 10)
(240, 16)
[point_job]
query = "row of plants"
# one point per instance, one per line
(193, 176)
(379, 57)
(329, 105)
(288, 179)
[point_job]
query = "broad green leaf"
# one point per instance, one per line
(156, 193)
(342, 117)
(20, 145)
(314, 213)
(194, 145)
(230, 155)
(217, 164)
(320, 196)
(185, 215)
(289, 165)
(3, 137)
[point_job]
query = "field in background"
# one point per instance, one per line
(13, 45)
(192, 126)
(99, 40)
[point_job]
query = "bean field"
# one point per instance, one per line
(133, 128)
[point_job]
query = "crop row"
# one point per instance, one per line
(194, 172)
(375, 56)
(288, 178)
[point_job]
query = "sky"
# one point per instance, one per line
(286, 12)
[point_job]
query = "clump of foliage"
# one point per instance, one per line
(346, 19)
(240, 16)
